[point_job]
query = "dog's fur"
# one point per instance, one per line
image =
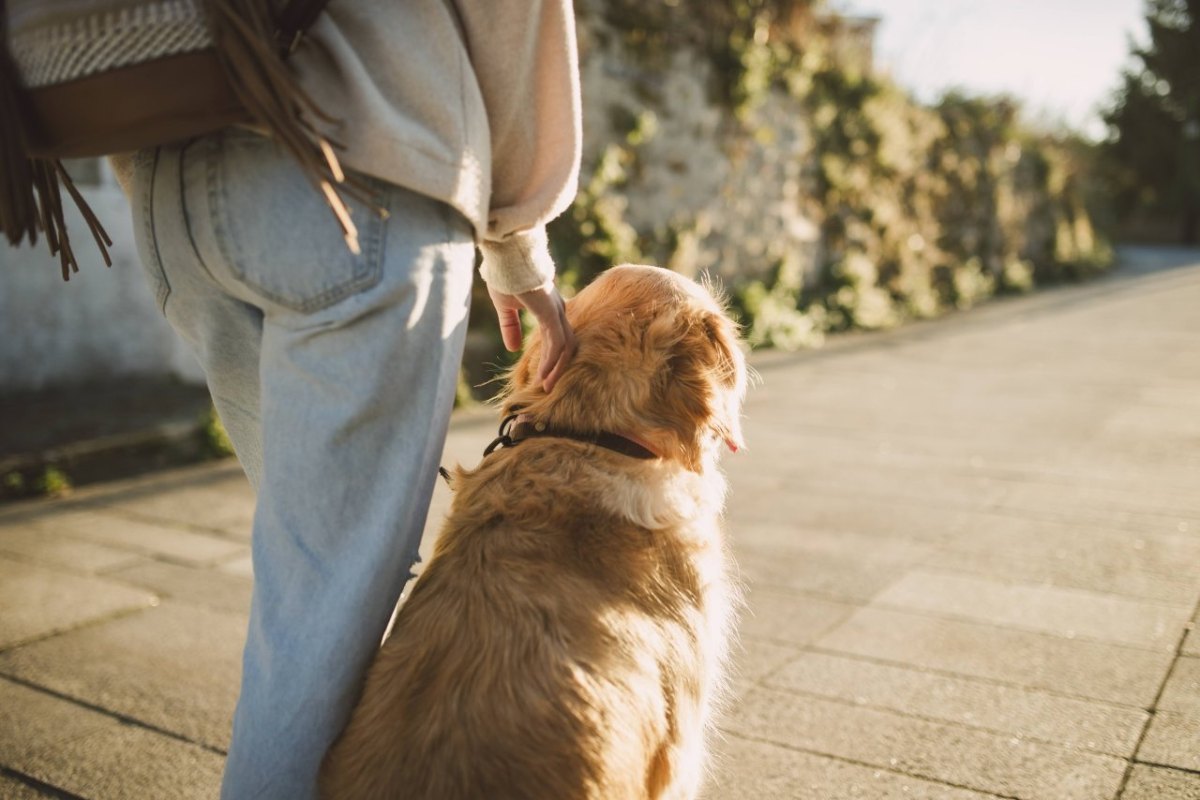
(566, 639)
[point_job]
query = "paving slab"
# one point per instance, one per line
(806, 541)
(1063, 721)
(1062, 612)
(1153, 783)
(843, 578)
(1095, 670)
(218, 589)
(1182, 692)
(174, 667)
(1173, 740)
(1084, 566)
(41, 546)
(769, 500)
(969, 758)
(93, 755)
(13, 789)
(788, 618)
(1163, 567)
(241, 566)
(36, 602)
(226, 506)
(162, 540)
(750, 770)
(752, 660)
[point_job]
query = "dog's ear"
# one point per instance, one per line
(702, 384)
(729, 370)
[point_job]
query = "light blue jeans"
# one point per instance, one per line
(334, 375)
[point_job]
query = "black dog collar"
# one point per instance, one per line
(514, 430)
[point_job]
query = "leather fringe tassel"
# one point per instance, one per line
(30, 201)
(245, 37)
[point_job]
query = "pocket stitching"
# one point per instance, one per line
(226, 244)
(163, 288)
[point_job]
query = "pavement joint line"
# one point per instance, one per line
(922, 562)
(1092, 592)
(945, 543)
(1153, 709)
(790, 593)
(824, 651)
(1019, 512)
(878, 498)
(962, 467)
(771, 673)
(110, 617)
(996, 508)
(1172, 767)
(58, 566)
(164, 597)
(41, 786)
(170, 522)
(867, 765)
(949, 723)
(808, 594)
(980, 572)
(912, 612)
(145, 552)
(110, 713)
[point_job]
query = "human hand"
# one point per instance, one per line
(548, 308)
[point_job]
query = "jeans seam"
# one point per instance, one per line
(151, 235)
(187, 215)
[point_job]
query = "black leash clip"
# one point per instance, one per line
(504, 439)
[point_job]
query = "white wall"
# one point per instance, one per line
(101, 324)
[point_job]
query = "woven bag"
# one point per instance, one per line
(93, 77)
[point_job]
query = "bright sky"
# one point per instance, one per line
(1061, 57)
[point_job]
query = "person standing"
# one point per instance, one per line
(334, 372)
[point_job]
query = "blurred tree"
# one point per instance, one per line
(1154, 123)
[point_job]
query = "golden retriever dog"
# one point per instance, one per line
(566, 640)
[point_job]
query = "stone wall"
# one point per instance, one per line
(738, 139)
(672, 177)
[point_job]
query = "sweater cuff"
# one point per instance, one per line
(520, 262)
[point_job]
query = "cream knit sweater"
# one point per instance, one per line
(473, 102)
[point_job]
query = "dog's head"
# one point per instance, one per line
(659, 361)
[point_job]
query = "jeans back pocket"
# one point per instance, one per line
(278, 237)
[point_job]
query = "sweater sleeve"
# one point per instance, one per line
(524, 56)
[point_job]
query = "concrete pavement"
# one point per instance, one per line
(971, 547)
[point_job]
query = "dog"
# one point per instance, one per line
(566, 640)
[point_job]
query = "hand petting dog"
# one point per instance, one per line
(548, 308)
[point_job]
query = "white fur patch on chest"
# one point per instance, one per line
(662, 495)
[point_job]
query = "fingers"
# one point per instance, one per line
(557, 338)
(510, 328)
(508, 312)
(557, 350)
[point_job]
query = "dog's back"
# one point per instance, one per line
(552, 652)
